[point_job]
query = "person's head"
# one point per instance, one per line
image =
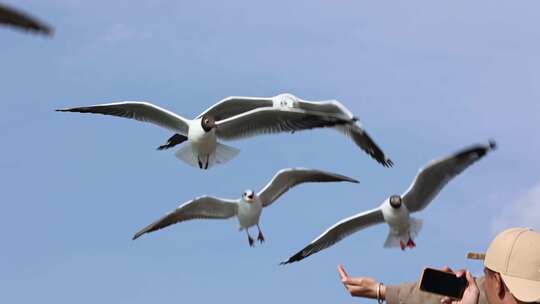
(512, 267)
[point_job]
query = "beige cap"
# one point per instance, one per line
(515, 254)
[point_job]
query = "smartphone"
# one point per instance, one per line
(443, 283)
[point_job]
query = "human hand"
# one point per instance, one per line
(364, 287)
(471, 294)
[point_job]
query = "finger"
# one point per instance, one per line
(342, 271)
(470, 279)
(460, 273)
(447, 269)
(446, 300)
(349, 288)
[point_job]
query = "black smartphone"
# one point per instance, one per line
(443, 283)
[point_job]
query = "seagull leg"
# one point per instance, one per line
(207, 161)
(250, 240)
(411, 243)
(200, 163)
(260, 237)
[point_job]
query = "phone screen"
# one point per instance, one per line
(443, 283)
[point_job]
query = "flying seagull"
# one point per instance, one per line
(233, 106)
(247, 209)
(396, 209)
(15, 18)
(236, 118)
(203, 132)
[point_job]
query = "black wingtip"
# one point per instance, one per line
(173, 141)
(351, 180)
(387, 163)
(285, 262)
(136, 236)
(295, 258)
(67, 110)
(492, 144)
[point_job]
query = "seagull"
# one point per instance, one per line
(233, 106)
(12, 17)
(247, 209)
(395, 210)
(236, 118)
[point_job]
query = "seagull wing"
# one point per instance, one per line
(329, 107)
(432, 178)
(352, 129)
(364, 141)
(234, 105)
(138, 110)
(338, 232)
(174, 140)
(16, 18)
(204, 207)
(272, 120)
(288, 178)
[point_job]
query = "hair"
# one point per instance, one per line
(492, 273)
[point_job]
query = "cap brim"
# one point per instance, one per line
(524, 290)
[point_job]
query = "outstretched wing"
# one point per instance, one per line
(138, 110)
(204, 207)
(364, 141)
(329, 107)
(338, 232)
(288, 178)
(333, 108)
(432, 178)
(352, 130)
(273, 120)
(234, 105)
(18, 19)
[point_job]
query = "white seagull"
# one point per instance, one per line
(396, 209)
(251, 111)
(15, 18)
(247, 209)
(232, 118)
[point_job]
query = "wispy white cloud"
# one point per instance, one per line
(523, 211)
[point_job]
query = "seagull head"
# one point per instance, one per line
(285, 100)
(395, 201)
(208, 123)
(249, 195)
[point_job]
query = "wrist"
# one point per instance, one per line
(381, 292)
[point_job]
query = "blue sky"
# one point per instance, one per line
(425, 78)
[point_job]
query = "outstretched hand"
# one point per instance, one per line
(364, 287)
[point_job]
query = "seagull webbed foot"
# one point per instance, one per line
(260, 237)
